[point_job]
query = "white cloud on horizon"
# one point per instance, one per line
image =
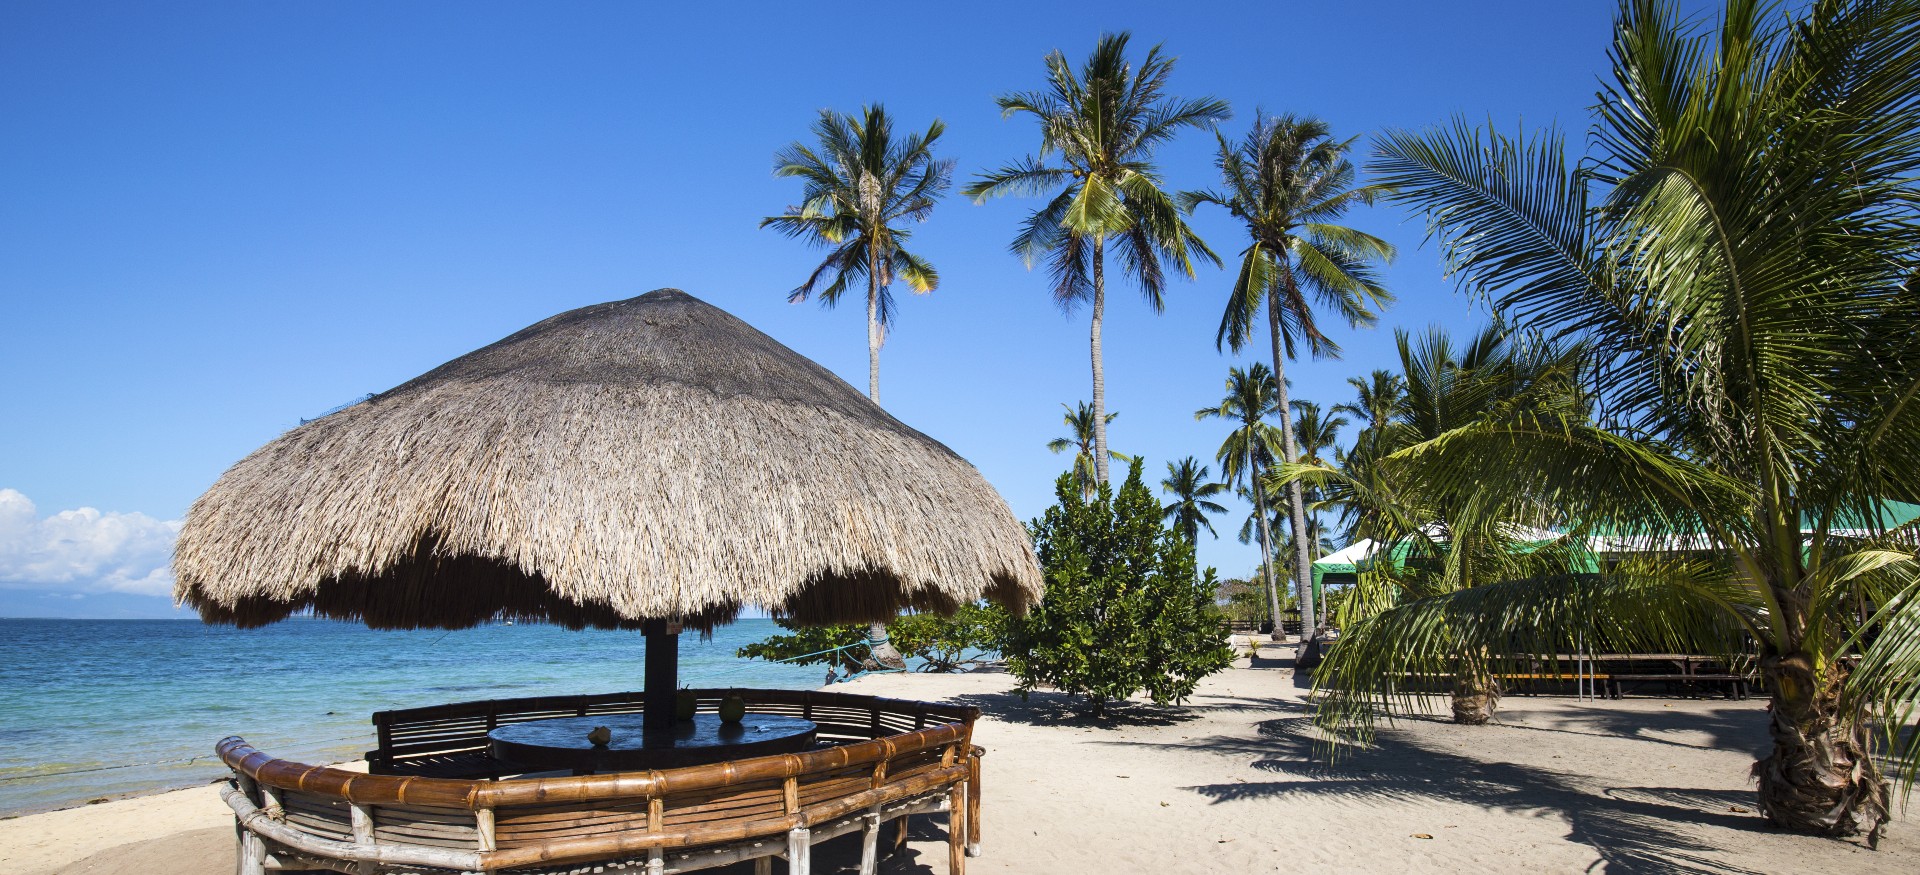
(84, 550)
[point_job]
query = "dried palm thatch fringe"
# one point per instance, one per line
(654, 458)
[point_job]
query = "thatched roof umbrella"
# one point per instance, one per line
(638, 462)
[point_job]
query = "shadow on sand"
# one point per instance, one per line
(1633, 829)
(1046, 708)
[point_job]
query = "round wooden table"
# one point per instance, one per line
(561, 743)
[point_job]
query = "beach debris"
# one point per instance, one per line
(1739, 809)
(1165, 804)
(1423, 835)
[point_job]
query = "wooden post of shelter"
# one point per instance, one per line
(663, 674)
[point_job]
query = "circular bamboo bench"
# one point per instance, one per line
(879, 760)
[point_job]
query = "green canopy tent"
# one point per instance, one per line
(1344, 566)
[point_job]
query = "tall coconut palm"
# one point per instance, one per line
(861, 186)
(1740, 248)
(1192, 494)
(1080, 422)
(1248, 451)
(1099, 128)
(1290, 183)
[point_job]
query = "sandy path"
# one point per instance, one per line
(1231, 783)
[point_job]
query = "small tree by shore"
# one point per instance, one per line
(969, 638)
(1123, 613)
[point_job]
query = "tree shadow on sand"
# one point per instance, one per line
(1047, 708)
(1732, 727)
(1043, 708)
(1632, 829)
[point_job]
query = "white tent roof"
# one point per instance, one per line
(1352, 554)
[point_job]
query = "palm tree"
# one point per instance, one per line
(1187, 483)
(1739, 248)
(1290, 183)
(1319, 544)
(1102, 125)
(861, 186)
(1314, 433)
(1248, 450)
(1376, 400)
(1448, 540)
(1080, 421)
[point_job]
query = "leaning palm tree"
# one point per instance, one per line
(861, 186)
(1290, 183)
(1742, 250)
(1080, 421)
(1248, 450)
(1192, 495)
(1098, 131)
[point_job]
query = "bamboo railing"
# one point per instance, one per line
(885, 759)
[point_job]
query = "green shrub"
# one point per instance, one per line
(969, 638)
(811, 645)
(1122, 612)
(972, 636)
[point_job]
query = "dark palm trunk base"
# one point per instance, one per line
(1820, 777)
(1474, 700)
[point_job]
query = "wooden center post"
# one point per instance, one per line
(663, 674)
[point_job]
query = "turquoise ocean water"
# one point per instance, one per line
(97, 708)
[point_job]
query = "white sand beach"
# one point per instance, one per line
(1231, 783)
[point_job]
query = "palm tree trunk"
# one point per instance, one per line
(1475, 694)
(1266, 546)
(1099, 369)
(881, 652)
(1296, 504)
(1820, 777)
(1474, 700)
(873, 324)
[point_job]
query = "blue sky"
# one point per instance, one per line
(217, 219)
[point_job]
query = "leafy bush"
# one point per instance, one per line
(1122, 612)
(969, 638)
(811, 645)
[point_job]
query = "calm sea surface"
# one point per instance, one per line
(94, 708)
